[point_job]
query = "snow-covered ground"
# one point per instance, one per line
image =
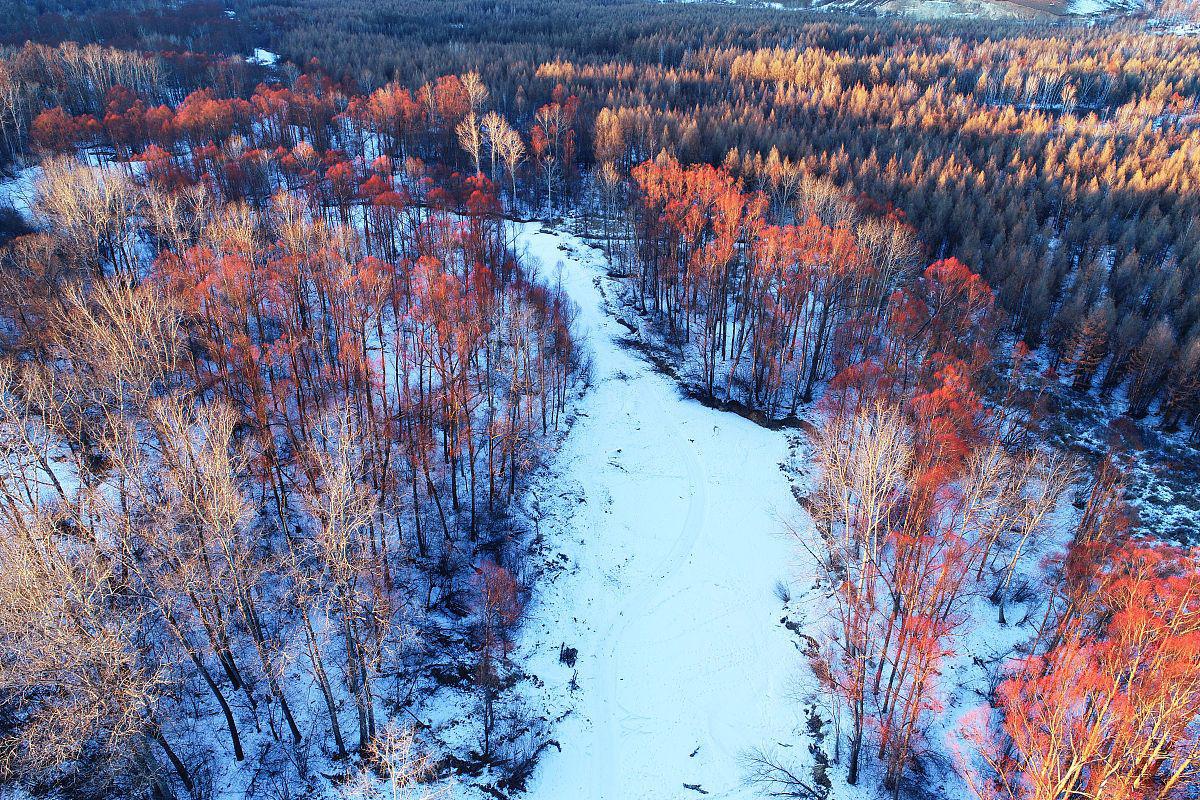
(668, 520)
(19, 190)
(1092, 8)
(263, 58)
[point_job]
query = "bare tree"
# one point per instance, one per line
(494, 128)
(477, 92)
(203, 469)
(470, 138)
(512, 150)
(96, 210)
(344, 506)
(769, 773)
(70, 666)
(404, 768)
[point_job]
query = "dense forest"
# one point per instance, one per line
(279, 377)
(1061, 165)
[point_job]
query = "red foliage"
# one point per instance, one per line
(1112, 709)
(59, 132)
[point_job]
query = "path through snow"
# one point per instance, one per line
(669, 515)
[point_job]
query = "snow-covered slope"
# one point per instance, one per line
(667, 516)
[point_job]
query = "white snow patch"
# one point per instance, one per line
(1089, 8)
(264, 58)
(18, 192)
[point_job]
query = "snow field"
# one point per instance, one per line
(671, 517)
